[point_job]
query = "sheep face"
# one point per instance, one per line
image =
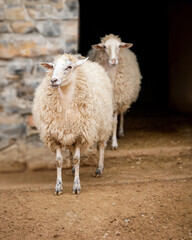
(112, 47)
(62, 69)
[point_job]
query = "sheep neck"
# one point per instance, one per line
(110, 70)
(66, 95)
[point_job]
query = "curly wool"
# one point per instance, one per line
(86, 119)
(127, 78)
(107, 37)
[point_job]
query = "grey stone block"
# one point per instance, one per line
(13, 131)
(48, 28)
(4, 28)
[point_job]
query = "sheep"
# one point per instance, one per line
(73, 109)
(123, 69)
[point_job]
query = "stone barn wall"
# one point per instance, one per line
(31, 31)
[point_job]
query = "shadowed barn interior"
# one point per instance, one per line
(161, 35)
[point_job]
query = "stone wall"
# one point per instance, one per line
(31, 31)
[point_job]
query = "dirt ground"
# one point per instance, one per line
(145, 191)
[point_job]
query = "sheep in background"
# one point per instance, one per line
(73, 108)
(123, 69)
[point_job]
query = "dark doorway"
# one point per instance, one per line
(145, 24)
(180, 56)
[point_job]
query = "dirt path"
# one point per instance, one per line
(144, 193)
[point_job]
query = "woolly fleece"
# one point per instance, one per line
(82, 116)
(127, 78)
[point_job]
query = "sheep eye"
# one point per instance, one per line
(67, 68)
(105, 47)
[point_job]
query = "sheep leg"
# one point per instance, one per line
(71, 160)
(121, 129)
(76, 162)
(59, 162)
(114, 144)
(100, 168)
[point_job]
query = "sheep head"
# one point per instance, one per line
(62, 67)
(111, 45)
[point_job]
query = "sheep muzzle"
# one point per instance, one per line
(55, 82)
(113, 62)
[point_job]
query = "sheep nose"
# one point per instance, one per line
(113, 61)
(54, 80)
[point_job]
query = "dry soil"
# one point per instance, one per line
(145, 191)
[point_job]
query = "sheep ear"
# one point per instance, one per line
(81, 61)
(47, 65)
(126, 45)
(98, 46)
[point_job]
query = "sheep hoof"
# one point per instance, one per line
(121, 134)
(114, 147)
(77, 186)
(58, 188)
(58, 193)
(76, 191)
(98, 172)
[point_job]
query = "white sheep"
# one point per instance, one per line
(123, 69)
(73, 108)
